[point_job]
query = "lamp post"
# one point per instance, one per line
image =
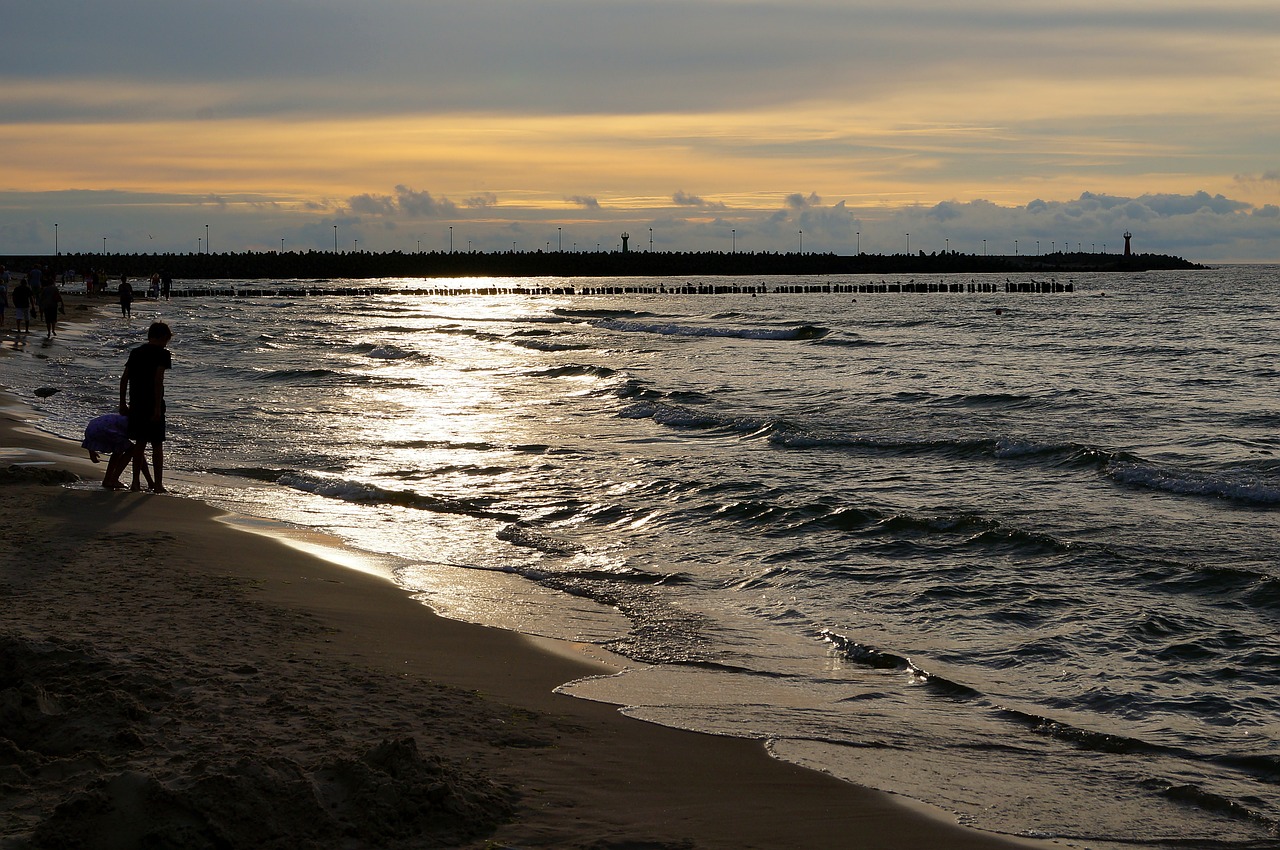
(451, 239)
(908, 243)
(858, 234)
(281, 244)
(335, 239)
(733, 244)
(104, 245)
(206, 239)
(801, 237)
(560, 239)
(650, 240)
(56, 252)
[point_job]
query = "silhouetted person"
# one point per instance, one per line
(126, 297)
(22, 297)
(109, 434)
(142, 400)
(50, 303)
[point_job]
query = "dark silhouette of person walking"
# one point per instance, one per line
(126, 297)
(50, 303)
(142, 400)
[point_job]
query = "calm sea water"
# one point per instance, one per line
(1011, 555)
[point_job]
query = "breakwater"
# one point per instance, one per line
(313, 265)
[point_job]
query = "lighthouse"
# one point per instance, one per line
(1128, 252)
(625, 237)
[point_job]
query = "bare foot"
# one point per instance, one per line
(159, 488)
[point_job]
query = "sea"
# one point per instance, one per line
(1013, 555)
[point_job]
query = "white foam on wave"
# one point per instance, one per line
(390, 352)
(1245, 489)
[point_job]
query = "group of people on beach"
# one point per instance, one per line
(161, 287)
(37, 290)
(36, 293)
(125, 435)
(96, 283)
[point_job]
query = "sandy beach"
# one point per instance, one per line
(168, 680)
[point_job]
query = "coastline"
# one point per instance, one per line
(170, 677)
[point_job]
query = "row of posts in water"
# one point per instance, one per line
(1032, 286)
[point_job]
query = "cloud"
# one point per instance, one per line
(573, 56)
(405, 203)
(1266, 178)
(881, 105)
(1201, 226)
(683, 199)
(798, 201)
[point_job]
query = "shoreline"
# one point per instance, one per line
(180, 677)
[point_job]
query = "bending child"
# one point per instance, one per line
(109, 434)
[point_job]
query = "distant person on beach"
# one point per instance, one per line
(22, 295)
(166, 284)
(142, 400)
(154, 290)
(50, 303)
(109, 434)
(126, 297)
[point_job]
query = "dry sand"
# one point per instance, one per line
(167, 680)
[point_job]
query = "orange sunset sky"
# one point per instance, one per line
(561, 124)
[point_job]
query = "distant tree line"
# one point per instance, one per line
(325, 265)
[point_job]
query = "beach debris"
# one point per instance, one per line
(45, 392)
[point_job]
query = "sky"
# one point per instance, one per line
(885, 126)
